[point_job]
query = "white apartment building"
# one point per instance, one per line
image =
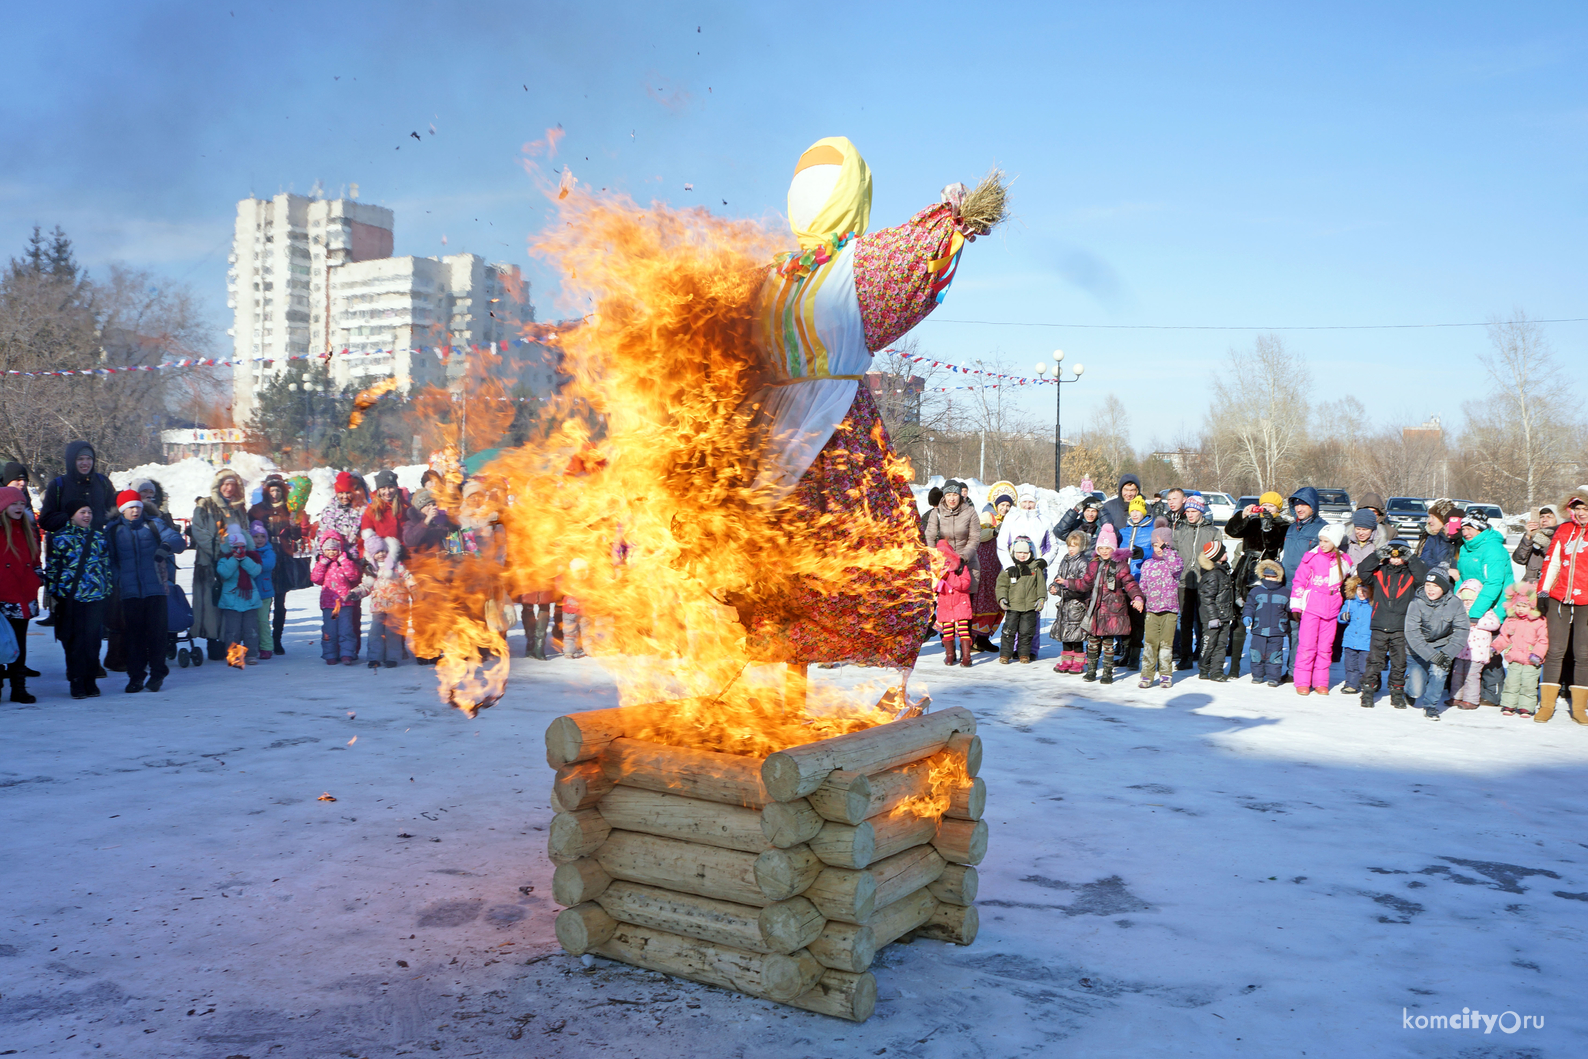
(391, 315)
(276, 286)
(311, 276)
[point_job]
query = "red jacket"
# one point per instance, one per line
(389, 525)
(1564, 577)
(19, 580)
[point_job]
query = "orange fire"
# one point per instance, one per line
(236, 655)
(644, 486)
(366, 400)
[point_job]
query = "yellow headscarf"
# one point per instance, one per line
(848, 209)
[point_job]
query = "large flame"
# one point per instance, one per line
(639, 502)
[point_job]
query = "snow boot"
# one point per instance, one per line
(949, 650)
(984, 645)
(964, 651)
(1398, 696)
(1106, 676)
(1579, 703)
(1165, 683)
(77, 690)
(541, 624)
(1089, 668)
(1367, 698)
(1547, 694)
(19, 691)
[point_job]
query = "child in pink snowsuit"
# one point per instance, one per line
(1317, 593)
(953, 604)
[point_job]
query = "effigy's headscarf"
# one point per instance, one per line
(830, 196)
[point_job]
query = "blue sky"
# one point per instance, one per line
(1177, 164)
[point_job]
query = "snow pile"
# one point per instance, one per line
(187, 482)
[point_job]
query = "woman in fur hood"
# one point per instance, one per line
(224, 512)
(1534, 545)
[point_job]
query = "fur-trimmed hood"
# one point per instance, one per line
(215, 489)
(1268, 570)
(1563, 509)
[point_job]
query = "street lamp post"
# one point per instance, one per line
(1058, 409)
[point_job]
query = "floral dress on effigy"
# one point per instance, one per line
(823, 313)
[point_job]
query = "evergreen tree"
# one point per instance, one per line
(62, 265)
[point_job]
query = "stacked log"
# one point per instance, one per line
(778, 877)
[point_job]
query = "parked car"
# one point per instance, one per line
(1406, 515)
(1334, 505)
(1220, 506)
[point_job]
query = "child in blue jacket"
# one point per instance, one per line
(1357, 617)
(239, 596)
(1267, 620)
(265, 584)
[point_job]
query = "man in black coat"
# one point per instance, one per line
(1262, 530)
(1116, 510)
(80, 485)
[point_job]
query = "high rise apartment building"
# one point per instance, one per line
(311, 275)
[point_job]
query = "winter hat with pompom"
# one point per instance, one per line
(1107, 537)
(1162, 537)
(1197, 504)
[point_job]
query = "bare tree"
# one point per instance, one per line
(1261, 407)
(1521, 436)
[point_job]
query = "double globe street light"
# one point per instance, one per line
(1058, 407)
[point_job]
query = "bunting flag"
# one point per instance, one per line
(229, 362)
(1015, 380)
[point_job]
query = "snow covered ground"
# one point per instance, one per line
(1216, 870)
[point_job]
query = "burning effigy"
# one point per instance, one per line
(719, 495)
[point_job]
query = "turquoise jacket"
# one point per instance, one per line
(230, 570)
(1486, 558)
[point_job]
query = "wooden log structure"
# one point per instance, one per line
(575, 835)
(847, 996)
(783, 927)
(779, 877)
(955, 923)
(579, 787)
(800, 770)
(957, 885)
(578, 881)
(688, 867)
(962, 841)
(673, 816)
(775, 976)
(705, 774)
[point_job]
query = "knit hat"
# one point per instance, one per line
(1003, 497)
(344, 482)
(423, 498)
(1022, 542)
(235, 539)
(1107, 538)
(1213, 550)
(1162, 537)
(10, 494)
(1197, 504)
(258, 529)
(385, 478)
(145, 483)
(1469, 589)
(1365, 518)
(1334, 534)
(128, 496)
(954, 486)
(1476, 518)
(1439, 577)
(12, 471)
(1138, 504)
(375, 546)
(1271, 497)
